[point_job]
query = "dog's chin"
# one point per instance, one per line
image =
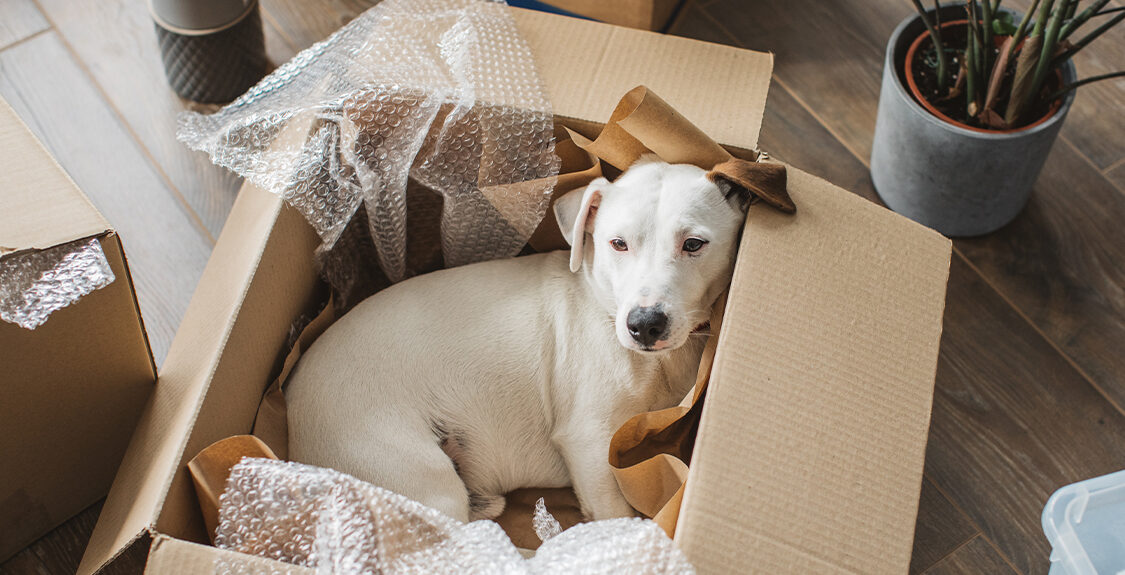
(661, 347)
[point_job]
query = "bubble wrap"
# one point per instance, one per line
(334, 523)
(35, 284)
(441, 92)
(545, 524)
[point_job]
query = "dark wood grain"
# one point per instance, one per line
(19, 19)
(1012, 421)
(116, 43)
(977, 557)
(1062, 262)
(166, 246)
(1116, 176)
(941, 528)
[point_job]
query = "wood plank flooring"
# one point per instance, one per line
(1031, 378)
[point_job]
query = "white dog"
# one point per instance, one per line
(456, 387)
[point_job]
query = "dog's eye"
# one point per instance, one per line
(692, 245)
(619, 244)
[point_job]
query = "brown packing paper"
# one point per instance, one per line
(211, 468)
(271, 424)
(643, 123)
(650, 452)
(578, 168)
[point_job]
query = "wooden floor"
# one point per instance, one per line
(1031, 381)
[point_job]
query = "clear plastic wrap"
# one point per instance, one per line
(441, 93)
(35, 284)
(334, 523)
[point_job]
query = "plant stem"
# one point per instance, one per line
(1081, 18)
(1087, 39)
(1071, 8)
(935, 38)
(970, 68)
(986, 38)
(1084, 81)
(1047, 54)
(1041, 18)
(1022, 28)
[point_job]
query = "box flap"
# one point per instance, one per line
(587, 66)
(154, 454)
(827, 361)
(40, 206)
(170, 556)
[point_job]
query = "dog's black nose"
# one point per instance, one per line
(647, 325)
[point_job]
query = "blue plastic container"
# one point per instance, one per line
(1085, 523)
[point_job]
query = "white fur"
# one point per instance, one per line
(513, 362)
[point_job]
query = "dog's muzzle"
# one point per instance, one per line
(647, 325)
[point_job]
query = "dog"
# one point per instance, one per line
(455, 387)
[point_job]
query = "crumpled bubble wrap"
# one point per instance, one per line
(35, 284)
(441, 92)
(333, 523)
(545, 524)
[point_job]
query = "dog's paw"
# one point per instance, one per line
(486, 506)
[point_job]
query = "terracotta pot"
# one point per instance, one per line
(998, 41)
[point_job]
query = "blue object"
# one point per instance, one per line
(1085, 523)
(540, 6)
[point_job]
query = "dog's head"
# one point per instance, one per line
(659, 244)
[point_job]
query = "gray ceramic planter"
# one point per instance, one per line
(956, 181)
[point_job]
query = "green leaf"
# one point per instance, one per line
(1003, 24)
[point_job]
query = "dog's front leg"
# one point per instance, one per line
(587, 458)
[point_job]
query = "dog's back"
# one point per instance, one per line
(434, 368)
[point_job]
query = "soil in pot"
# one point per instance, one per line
(921, 65)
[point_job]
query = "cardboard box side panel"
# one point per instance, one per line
(39, 204)
(170, 556)
(821, 392)
(726, 98)
(282, 287)
(154, 451)
(643, 14)
(93, 353)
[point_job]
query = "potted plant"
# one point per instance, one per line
(973, 96)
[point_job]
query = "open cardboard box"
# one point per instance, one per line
(810, 451)
(72, 389)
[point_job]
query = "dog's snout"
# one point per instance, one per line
(647, 325)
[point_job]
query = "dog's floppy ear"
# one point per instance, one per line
(575, 213)
(750, 180)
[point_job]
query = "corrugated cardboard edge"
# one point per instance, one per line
(643, 14)
(170, 556)
(842, 378)
(40, 206)
(157, 445)
(612, 60)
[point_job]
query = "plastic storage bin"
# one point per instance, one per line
(1085, 523)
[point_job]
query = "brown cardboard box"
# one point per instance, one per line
(643, 14)
(810, 452)
(73, 388)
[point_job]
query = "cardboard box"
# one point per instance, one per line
(643, 14)
(811, 448)
(73, 388)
